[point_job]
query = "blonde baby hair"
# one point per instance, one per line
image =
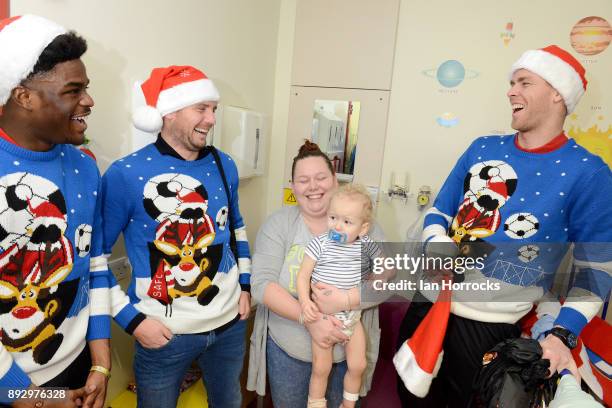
(359, 192)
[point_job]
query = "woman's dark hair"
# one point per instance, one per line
(64, 47)
(309, 149)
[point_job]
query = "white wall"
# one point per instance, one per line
(282, 88)
(430, 33)
(233, 41)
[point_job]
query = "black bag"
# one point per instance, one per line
(513, 375)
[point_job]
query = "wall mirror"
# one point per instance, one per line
(335, 125)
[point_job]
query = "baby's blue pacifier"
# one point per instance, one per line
(337, 237)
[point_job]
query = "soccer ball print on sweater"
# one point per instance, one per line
(180, 257)
(528, 207)
(36, 258)
(170, 212)
(486, 188)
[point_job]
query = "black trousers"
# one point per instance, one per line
(75, 375)
(464, 345)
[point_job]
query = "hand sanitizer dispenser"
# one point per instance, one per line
(242, 136)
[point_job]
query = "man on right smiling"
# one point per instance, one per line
(525, 197)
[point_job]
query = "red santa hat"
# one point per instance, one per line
(418, 360)
(593, 357)
(22, 40)
(171, 89)
(499, 188)
(192, 197)
(46, 209)
(557, 67)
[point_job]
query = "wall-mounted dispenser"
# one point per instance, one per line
(424, 196)
(399, 191)
(242, 133)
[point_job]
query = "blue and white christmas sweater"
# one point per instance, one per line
(529, 207)
(54, 280)
(174, 215)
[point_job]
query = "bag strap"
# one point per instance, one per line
(230, 222)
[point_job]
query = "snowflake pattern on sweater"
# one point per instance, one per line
(53, 278)
(173, 214)
(530, 205)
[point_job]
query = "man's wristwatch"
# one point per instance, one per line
(567, 337)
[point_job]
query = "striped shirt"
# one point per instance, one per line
(341, 265)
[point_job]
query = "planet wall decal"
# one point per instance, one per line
(447, 120)
(591, 35)
(450, 73)
(508, 34)
(597, 138)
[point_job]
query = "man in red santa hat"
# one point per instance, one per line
(556, 193)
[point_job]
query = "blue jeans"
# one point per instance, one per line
(289, 379)
(159, 372)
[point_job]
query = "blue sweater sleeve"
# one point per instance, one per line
(116, 212)
(438, 218)
(99, 282)
(11, 376)
(590, 228)
(237, 223)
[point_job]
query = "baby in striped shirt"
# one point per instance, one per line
(342, 258)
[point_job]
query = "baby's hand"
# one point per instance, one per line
(310, 310)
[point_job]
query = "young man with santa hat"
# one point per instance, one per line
(55, 303)
(523, 198)
(176, 202)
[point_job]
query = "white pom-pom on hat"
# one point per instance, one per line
(148, 119)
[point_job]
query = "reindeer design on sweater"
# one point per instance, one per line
(33, 265)
(181, 263)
